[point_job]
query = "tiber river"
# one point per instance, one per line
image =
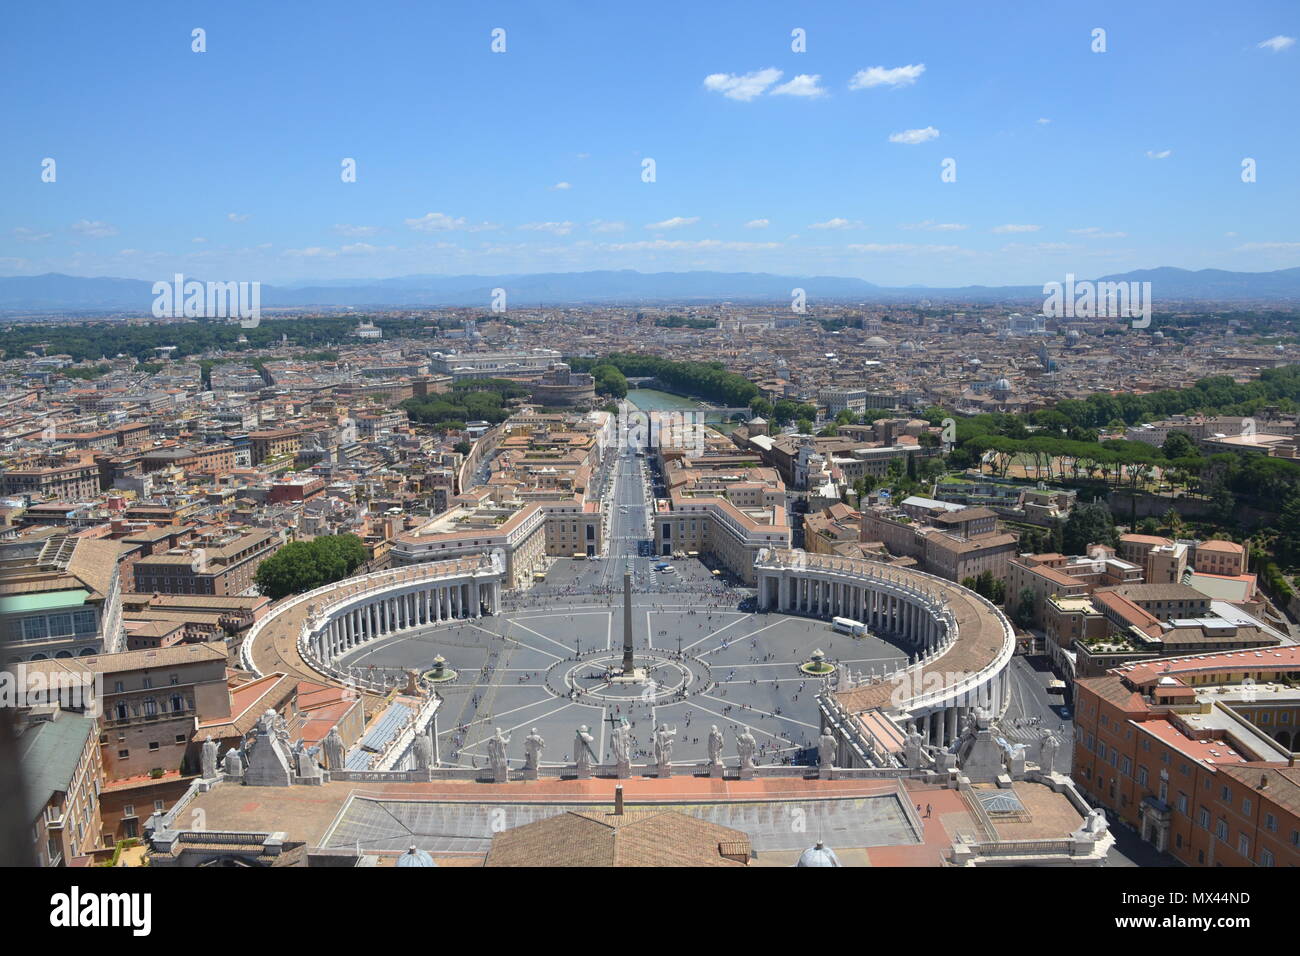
(651, 399)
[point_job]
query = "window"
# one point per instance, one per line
(1142, 776)
(123, 754)
(1225, 795)
(1203, 818)
(1245, 805)
(1182, 803)
(180, 738)
(1221, 830)
(1265, 857)
(159, 806)
(1243, 845)
(148, 682)
(150, 707)
(128, 810)
(1270, 823)
(153, 746)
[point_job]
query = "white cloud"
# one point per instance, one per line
(1278, 43)
(344, 229)
(1016, 227)
(1096, 232)
(1267, 246)
(913, 136)
(199, 239)
(744, 88)
(239, 216)
(1043, 121)
(562, 186)
(677, 222)
(554, 228)
(837, 223)
(930, 225)
(29, 235)
(601, 225)
(436, 222)
(882, 76)
(1163, 154)
(801, 85)
(758, 224)
(906, 247)
(94, 229)
(655, 245)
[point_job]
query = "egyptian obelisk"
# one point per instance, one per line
(629, 667)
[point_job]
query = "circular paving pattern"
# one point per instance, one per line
(546, 662)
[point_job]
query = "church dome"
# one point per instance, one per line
(876, 342)
(818, 855)
(415, 857)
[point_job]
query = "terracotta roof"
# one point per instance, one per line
(646, 837)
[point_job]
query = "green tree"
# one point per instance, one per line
(1091, 523)
(303, 565)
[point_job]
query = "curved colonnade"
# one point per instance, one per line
(961, 643)
(305, 635)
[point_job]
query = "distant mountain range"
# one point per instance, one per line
(54, 292)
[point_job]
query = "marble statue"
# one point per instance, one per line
(422, 751)
(826, 747)
(1093, 827)
(715, 746)
(208, 758)
(745, 746)
(233, 763)
(334, 750)
(533, 747)
(304, 762)
(496, 747)
(912, 749)
(582, 751)
(664, 745)
(621, 743)
(1047, 746)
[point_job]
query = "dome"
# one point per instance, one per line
(1002, 385)
(416, 857)
(907, 347)
(876, 342)
(818, 855)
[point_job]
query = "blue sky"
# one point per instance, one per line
(226, 164)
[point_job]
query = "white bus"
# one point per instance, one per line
(847, 625)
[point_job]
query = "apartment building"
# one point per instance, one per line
(1196, 754)
(62, 775)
